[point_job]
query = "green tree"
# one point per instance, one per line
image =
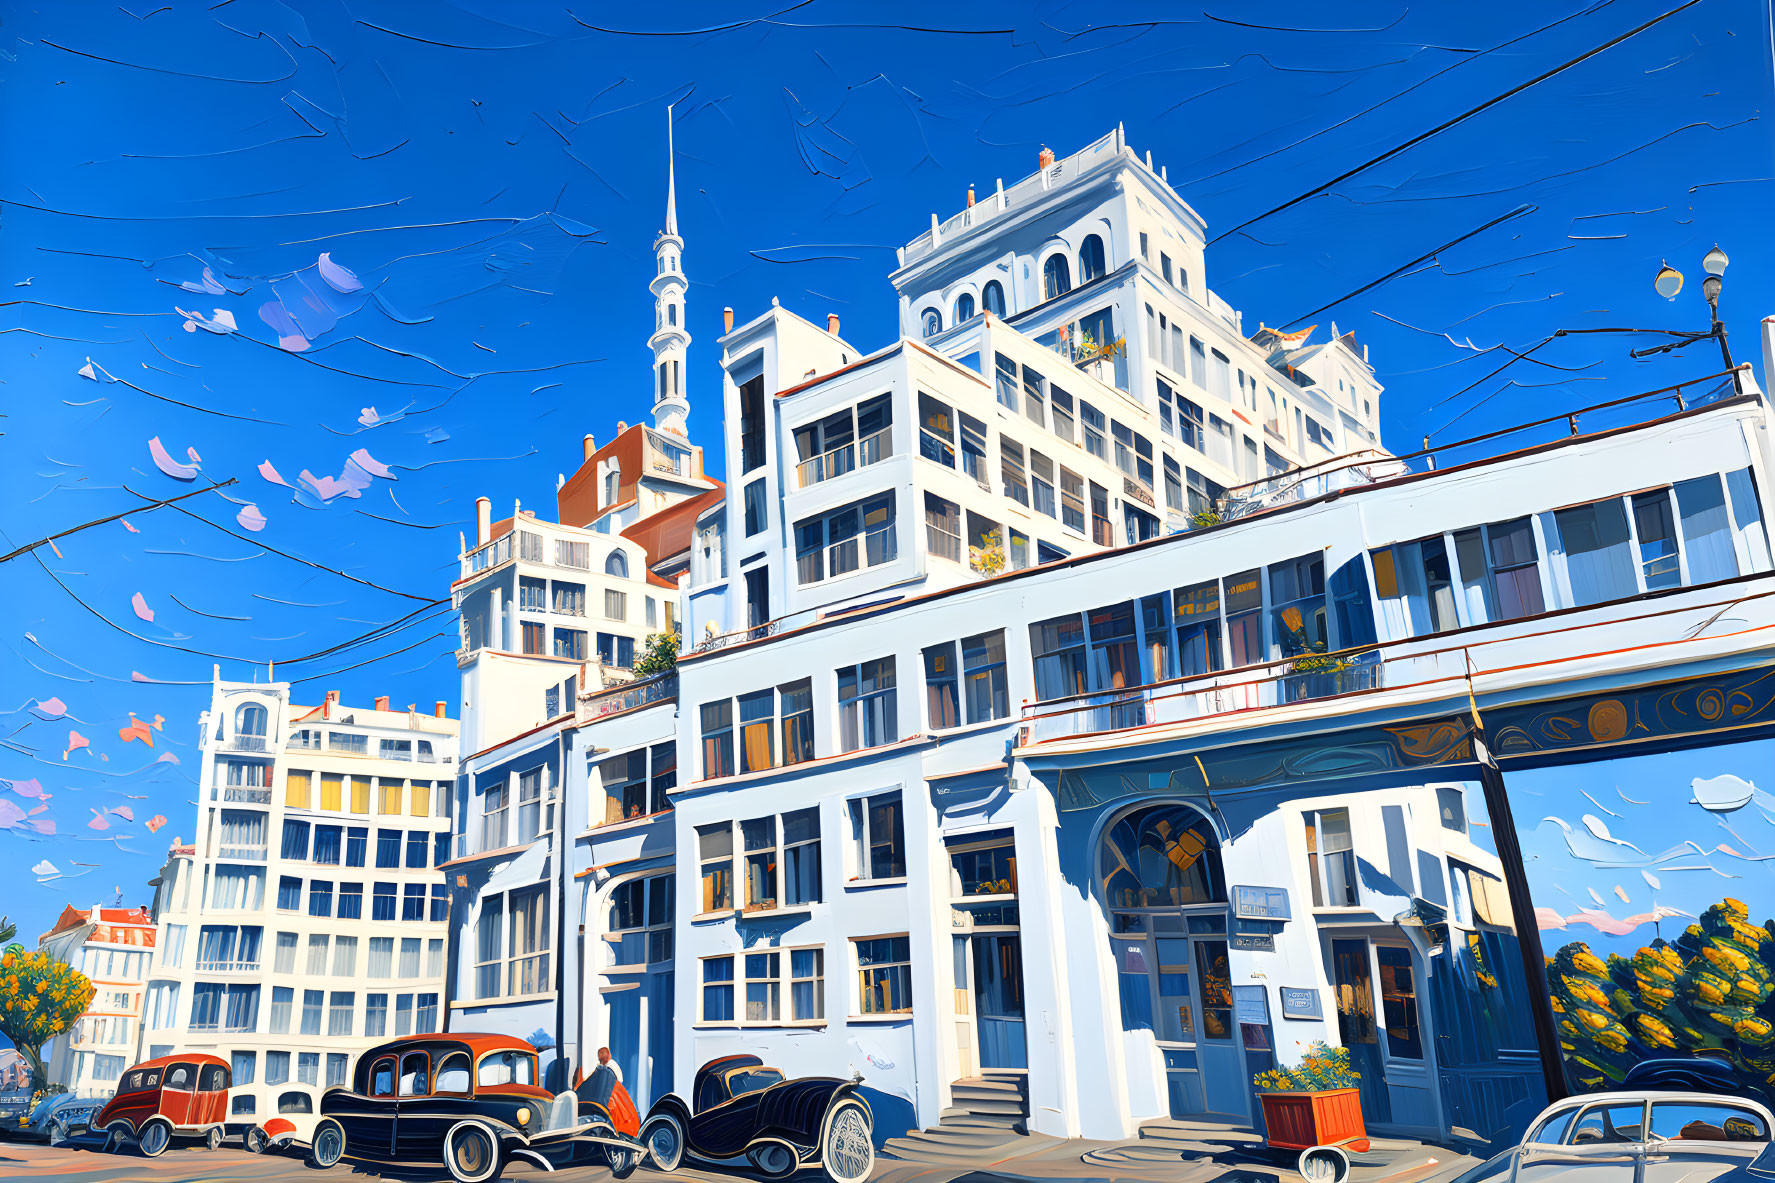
(39, 999)
(659, 654)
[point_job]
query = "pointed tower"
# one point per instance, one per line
(670, 339)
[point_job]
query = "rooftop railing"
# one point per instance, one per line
(644, 692)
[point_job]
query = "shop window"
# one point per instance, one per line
(1164, 856)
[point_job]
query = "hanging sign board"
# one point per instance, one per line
(1261, 903)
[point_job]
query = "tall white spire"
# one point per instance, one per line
(670, 340)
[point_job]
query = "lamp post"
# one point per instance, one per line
(1669, 281)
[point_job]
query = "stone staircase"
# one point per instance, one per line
(989, 1113)
(1176, 1140)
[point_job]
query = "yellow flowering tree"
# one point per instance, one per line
(40, 998)
(1710, 992)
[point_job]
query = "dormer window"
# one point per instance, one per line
(612, 481)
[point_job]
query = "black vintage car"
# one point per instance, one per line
(748, 1113)
(471, 1102)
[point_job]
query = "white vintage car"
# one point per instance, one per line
(1640, 1136)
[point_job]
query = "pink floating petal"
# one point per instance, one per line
(141, 607)
(250, 518)
(42, 827)
(49, 708)
(158, 720)
(124, 812)
(368, 417)
(165, 463)
(26, 788)
(99, 821)
(166, 758)
(191, 455)
(35, 810)
(10, 814)
(271, 474)
(154, 823)
(76, 741)
(372, 465)
(128, 527)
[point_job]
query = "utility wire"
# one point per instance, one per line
(102, 521)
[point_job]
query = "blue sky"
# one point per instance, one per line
(492, 175)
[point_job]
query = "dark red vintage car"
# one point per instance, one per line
(182, 1096)
(473, 1103)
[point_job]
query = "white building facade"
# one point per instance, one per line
(112, 946)
(307, 919)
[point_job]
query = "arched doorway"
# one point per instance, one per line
(1160, 870)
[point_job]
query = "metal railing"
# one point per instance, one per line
(244, 743)
(248, 854)
(227, 967)
(845, 458)
(872, 549)
(659, 688)
(1442, 661)
(246, 794)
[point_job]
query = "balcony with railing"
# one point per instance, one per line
(1486, 657)
(614, 699)
(874, 548)
(241, 853)
(245, 743)
(213, 966)
(846, 458)
(245, 794)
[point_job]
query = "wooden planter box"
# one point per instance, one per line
(1300, 1121)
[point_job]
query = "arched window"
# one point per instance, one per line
(249, 721)
(1091, 258)
(964, 307)
(992, 298)
(931, 322)
(1056, 277)
(617, 564)
(1163, 857)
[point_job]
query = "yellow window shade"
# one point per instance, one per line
(418, 798)
(330, 791)
(360, 794)
(390, 803)
(296, 790)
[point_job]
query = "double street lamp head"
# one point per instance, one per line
(1669, 281)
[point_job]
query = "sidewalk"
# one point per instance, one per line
(1176, 1152)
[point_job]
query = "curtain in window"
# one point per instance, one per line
(382, 957)
(243, 1008)
(296, 789)
(1707, 531)
(1598, 556)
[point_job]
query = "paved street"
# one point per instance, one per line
(1036, 1159)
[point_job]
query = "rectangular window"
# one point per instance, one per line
(285, 962)
(318, 944)
(884, 975)
(570, 598)
(388, 845)
(412, 902)
(1058, 648)
(798, 721)
(941, 687)
(757, 713)
(570, 643)
(351, 901)
(1095, 442)
(942, 521)
(1707, 529)
(1599, 562)
(418, 846)
(715, 859)
(529, 811)
(382, 902)
(1072, 500)
(973, 449)
(1399, 1003)
(764, 987)
(403, 1014)
(717, 1003)
(535, 640)
(1331, 859)
(311, 1011)
(807, 985)
(983, 675)
(1016, 479)
(759, 836)
(867, 712)
(878, 837)
(1061, 403)
(1006, 370)
(340, 1007)
(289, 894)
(936, 431)
(295, 842)
(717, 724)
(1515, 568)
(1653, 522)
(1035, 401)
(283, 1000)
(1196, 613)
(572, 554)
(616, 604)
(277, 1066)
(344, 957)
(382, 956)
(530, 942)
(755, 508)
(375, 1015)
(440, 903)
(307, 1067)
(495, 800)
(801, 857)
(1041, 471)
(1298, 619)
(532, 594)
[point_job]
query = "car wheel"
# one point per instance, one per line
(664, 1140)
(847, 1144)
(58, 1132)
(155, 1137)
(213, 1139)
(116, 1134)
(328, 1145)
(773, 1160)
(471, 1152)
(255, 1140)
(621, 1160)
(1324, 1164)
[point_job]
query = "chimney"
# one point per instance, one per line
(483, 521)
(832, 317)
(382, 702)
(587, 446)
(1046, 157)
(438, 712)
(970, 197)
(327, 705)
(622, 425)
(727, 320)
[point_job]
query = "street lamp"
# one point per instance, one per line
(1669, 281)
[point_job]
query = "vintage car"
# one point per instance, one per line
(182, 1096)
(1640, 1136)
(291, 1127)
(473, 1103)
(57, 1118)
(748, 1113)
